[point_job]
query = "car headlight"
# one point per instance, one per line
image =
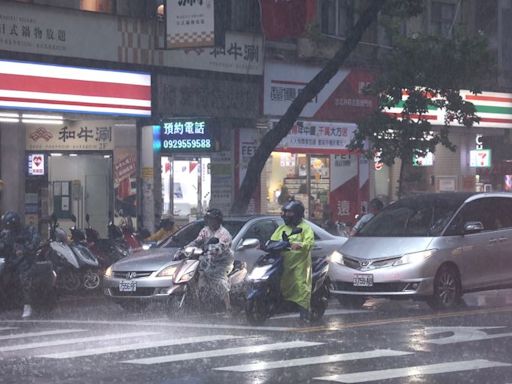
(258, 273)
(167, 271)
(337, 257)
(415, 257)
(108, 272)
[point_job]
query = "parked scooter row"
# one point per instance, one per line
(259, 293)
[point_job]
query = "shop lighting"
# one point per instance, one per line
(43, 117)
(9, 120)
(36, 121)
(73, 155)
(106, 156)
(8, 114)
(55, 154)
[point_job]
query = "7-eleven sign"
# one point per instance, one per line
(480, 158)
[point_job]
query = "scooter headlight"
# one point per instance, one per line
(186, 277)
(259, 273)
(167, 271)
(337, 257)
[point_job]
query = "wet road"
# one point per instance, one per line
(93, 341)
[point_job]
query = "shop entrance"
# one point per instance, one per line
(306, 177)
(188, 180)
(81, 184)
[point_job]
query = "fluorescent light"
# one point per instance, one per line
(106, 156)
(56, 154)
(35, 121)
(45, 117)
(7, 114)
(9, 120)
(73, 155)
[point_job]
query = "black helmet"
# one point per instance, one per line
(166, 222)
(11, 220)
(297, 208)
(214, 213)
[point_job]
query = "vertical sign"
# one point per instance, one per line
(190, 23)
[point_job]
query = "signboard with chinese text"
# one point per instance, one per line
(36, 164)
(190, 23)
(480, 158)
(186, 135)
(65, 32)
(341, 99)
(85, 135)
(317, 137)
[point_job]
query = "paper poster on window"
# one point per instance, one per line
(64, 203)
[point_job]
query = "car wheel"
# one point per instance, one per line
(131, 306)
(256, 311)
(447, 289)
(354, 302)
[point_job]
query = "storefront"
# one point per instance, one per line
(312, 163)
(72, 133)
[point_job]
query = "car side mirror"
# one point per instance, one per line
(248, 243)
(473, 227)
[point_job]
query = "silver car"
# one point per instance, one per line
(435, 247)
(134, 281)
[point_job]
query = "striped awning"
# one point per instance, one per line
(47, 87)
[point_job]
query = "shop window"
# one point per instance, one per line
(336, 16)
(104, 6)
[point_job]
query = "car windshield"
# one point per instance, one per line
(411, 217)
(189, 232)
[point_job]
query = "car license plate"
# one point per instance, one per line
(127, 286)
(363, 280)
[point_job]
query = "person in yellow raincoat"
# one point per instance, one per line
(296, 282)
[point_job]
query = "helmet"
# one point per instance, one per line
(166, 222)
(297, 208)
(11, 220)
(60, 235)
(214, 213)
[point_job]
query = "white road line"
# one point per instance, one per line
(329, 312)
(326, 359)
(130, 347)
(456, 366)
(222, 352)
(7, 328)
(53, 343)
(45, 333)
(163, 324)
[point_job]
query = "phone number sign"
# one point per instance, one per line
(186, 135)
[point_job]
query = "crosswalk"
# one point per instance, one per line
(154, 347)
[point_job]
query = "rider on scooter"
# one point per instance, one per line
(215, 276)
(297, 279)
(18, 245)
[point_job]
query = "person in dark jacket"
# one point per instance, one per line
(17, 246)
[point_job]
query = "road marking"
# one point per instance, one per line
(222, 352)
(7, 328)
(432, 369)
(45, 333)
(326, 359)
(53, 343)
(130, 347)
(329, 312)
(462, 334)
(163, 324)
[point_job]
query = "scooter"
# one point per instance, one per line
(264, 297)
(186, 294)
(43, 291)
(108, 251)
(75, 265)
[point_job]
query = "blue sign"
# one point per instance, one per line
(186, 135)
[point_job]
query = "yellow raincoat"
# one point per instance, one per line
(296, 282)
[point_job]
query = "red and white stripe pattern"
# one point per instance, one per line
(71, 89)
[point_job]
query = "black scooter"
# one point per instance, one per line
(264, 297)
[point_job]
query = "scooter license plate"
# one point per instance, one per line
(363, 280)
(127, 286)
